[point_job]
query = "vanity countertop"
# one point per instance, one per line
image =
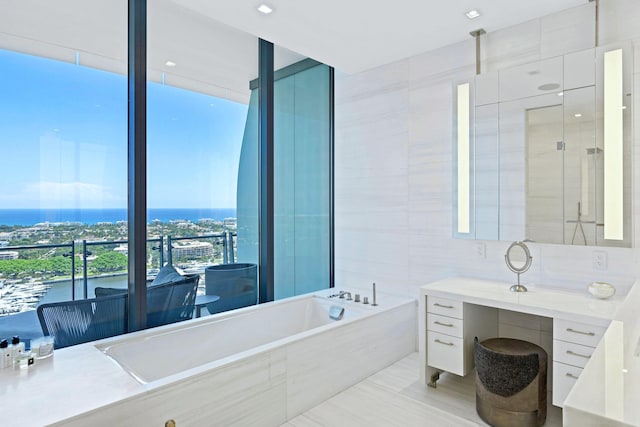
(608, 390)
(75, 380)
(540, 300)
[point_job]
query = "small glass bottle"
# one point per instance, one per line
(5, 354)
(17, 348)
(26, 359)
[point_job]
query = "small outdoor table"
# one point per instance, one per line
(202, 300)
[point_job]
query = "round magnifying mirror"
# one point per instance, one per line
(518, 259)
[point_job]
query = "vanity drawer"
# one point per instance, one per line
(444, 306)
(579, 333)
(571, 353)
(564, 378)
(445, 352)
(445, 325)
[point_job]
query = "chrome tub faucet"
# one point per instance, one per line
(343, 293)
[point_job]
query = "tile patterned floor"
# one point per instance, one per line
(395, 397)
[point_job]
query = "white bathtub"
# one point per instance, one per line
(257, 366)
(162, 354)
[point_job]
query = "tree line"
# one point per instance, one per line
(106, 262)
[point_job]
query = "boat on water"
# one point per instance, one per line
(17, 297)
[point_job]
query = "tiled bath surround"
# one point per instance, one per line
(394, 171)
(265, 385)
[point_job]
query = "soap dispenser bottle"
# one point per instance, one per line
(5, 354)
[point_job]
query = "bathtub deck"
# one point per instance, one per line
(395, 397)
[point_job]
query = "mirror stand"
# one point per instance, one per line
(518, 287)
(511, 258)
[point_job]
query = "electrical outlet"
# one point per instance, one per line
(481, 250)
(600, 260)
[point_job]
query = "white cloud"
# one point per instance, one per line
(48, 194)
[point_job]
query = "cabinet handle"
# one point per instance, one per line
(442, 342)
(573, 353)
(591, 334)
(448, 325)
(443, 306)
(570, 375)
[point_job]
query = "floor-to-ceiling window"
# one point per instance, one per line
(301, 177)
(63, 123)
(63, 138)
(199, 122)
(302, 170)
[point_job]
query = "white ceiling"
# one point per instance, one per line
(211, 58)
(351, 35)
(355, 35)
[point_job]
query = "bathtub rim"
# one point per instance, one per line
(365, 311)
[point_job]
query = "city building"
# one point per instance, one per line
(9, 255)
(192, 249)
(123, 249)
(230, 223)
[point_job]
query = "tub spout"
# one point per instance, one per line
(343, 293)
(336, 312)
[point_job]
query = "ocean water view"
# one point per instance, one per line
(61, 291)
(27, 217)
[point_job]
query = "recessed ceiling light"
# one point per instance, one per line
(577, 115)
(170, 64)
(264, 9)
(472, 14)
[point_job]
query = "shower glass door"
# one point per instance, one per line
(564, 171)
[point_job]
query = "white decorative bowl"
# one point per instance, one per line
(601, 290)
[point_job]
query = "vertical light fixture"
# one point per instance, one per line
(463, 158)
(613, 147)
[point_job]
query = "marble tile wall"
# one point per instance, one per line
(393, 162)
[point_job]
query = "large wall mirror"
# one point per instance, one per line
(547, 154)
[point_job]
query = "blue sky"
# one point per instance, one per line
(63, 133)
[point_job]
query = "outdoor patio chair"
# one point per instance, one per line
(171, 302)
(80, 321)
(166, 303)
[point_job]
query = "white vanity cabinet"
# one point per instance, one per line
(450, 330)
(573, 345)
(455, 310)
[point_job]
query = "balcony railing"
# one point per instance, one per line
(22, 290)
